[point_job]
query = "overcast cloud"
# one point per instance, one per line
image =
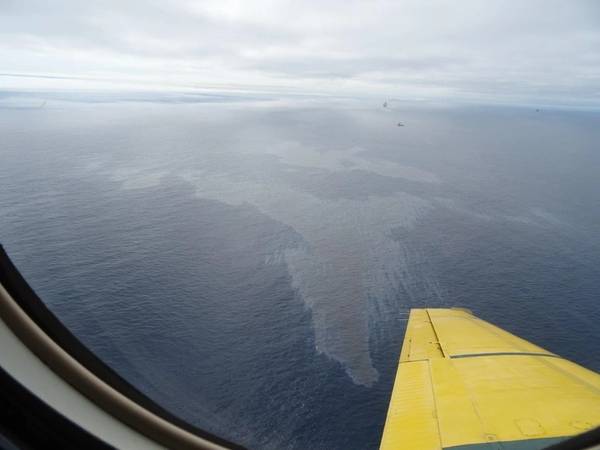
(545, 52)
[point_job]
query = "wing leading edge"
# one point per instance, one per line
(465, 384)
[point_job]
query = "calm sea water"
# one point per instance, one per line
(250, 264)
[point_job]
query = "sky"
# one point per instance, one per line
(543, 52)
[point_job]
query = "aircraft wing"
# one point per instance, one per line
(465, 384)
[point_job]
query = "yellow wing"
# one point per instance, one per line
(465, 384)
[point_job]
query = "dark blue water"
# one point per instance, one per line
(250, 265)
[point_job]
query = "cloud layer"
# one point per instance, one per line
(476, 51)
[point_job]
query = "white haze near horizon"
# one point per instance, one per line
(509, 52)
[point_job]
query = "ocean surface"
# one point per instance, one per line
(249, 263)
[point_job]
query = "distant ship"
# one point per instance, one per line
(461, 384)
